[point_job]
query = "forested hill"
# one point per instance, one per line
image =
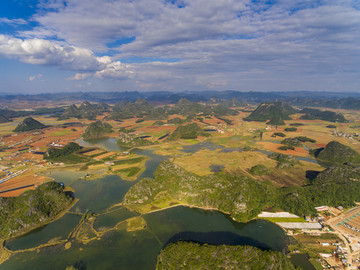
(276, 112)
(97, 130)
(239, 195)
(29, 124)
(32, 208)
(85, 110)
(187, 255)
(338, 153)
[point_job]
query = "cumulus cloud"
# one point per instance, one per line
(114, 70)
(45, 52)
(217, 43)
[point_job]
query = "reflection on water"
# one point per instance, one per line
(58, 229)
(98, 195)
(119, 249)
(138, 250)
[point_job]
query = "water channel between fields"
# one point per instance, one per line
(120, 249)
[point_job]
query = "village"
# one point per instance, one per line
(334, 234)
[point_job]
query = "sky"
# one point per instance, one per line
(179, 45)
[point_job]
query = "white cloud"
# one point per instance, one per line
(79, 76)
(115, 70)
(12, 21)
(38, 76)
(219, 43)
(45, 52)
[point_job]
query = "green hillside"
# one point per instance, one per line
(335, 152)
(97, 130)
(338, 174)
(29, 124)
(276, 112)
(32, 208)
(238, 195)
(85, 110)
(189, 131)
(188, 255)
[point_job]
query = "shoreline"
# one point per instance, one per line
(9, 253)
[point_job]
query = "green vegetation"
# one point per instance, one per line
(311, 114)
(125, 130)
(335, 152)
(187, 255)
(284, 161)
(127, 140)
(191, 110)
(286, 147)
(240, 196)
(290, 129)
(65, 154)
(259, 170)
(296, 124)
(297, 141)
(32, 209)
(227, 121)
(176, 121)
(125, 110)
(158, 123)
(331, 126)
(29, 124)
(338, 174)
(279, 134)
(85, 110)
(303, 200)
(38, 111)
(129, 171)
(135, 224)
(97, 130)
(276, 112)
(189, 131)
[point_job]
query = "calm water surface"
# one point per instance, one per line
(132, 250)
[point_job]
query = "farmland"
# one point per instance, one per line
(216, 153)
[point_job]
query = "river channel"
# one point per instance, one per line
(120, 249)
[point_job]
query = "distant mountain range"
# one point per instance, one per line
(341, 100)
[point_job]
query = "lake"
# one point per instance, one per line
(119, 249)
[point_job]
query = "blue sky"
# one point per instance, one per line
(177, 45)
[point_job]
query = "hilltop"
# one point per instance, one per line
(189, 131)
(85, 110)
(188, 255)
(29, 124)
(97, 130)
(336, 152)
(125, 110)
(276, 112)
